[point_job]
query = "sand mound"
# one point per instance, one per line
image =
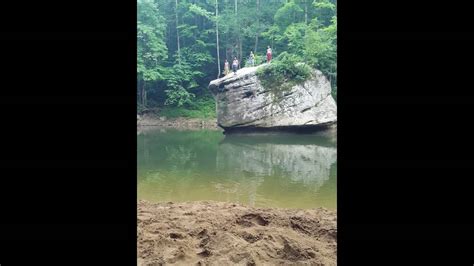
(218, 233)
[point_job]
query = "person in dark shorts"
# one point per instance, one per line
(235, 65)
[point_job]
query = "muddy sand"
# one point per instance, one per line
(220, 233)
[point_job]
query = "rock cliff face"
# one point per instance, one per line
(244, 104)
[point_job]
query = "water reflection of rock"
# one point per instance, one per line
(253, 158)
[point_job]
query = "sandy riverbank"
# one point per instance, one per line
(218, 233)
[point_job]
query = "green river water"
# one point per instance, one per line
(271, 170)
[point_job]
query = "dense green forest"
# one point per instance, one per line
(182, 45)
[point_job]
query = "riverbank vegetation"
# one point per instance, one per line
(182, 45)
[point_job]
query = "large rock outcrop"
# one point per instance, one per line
(243, 103)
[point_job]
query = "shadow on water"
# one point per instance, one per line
(275, 170)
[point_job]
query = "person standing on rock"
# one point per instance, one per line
(226, 67)
(252, 58)
(269, 54)
(235, 64)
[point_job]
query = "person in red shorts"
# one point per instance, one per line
(269, 54)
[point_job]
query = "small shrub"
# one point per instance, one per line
(285, 69)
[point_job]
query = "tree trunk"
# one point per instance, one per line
(240, 51)
(139, 92)
(197, 23)
(168, 39)
(306, 12)
(145, 99)
(177, 32)
(257, 33)
(217, 43)
(143, 94)
(239, 41)
(305, 24)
